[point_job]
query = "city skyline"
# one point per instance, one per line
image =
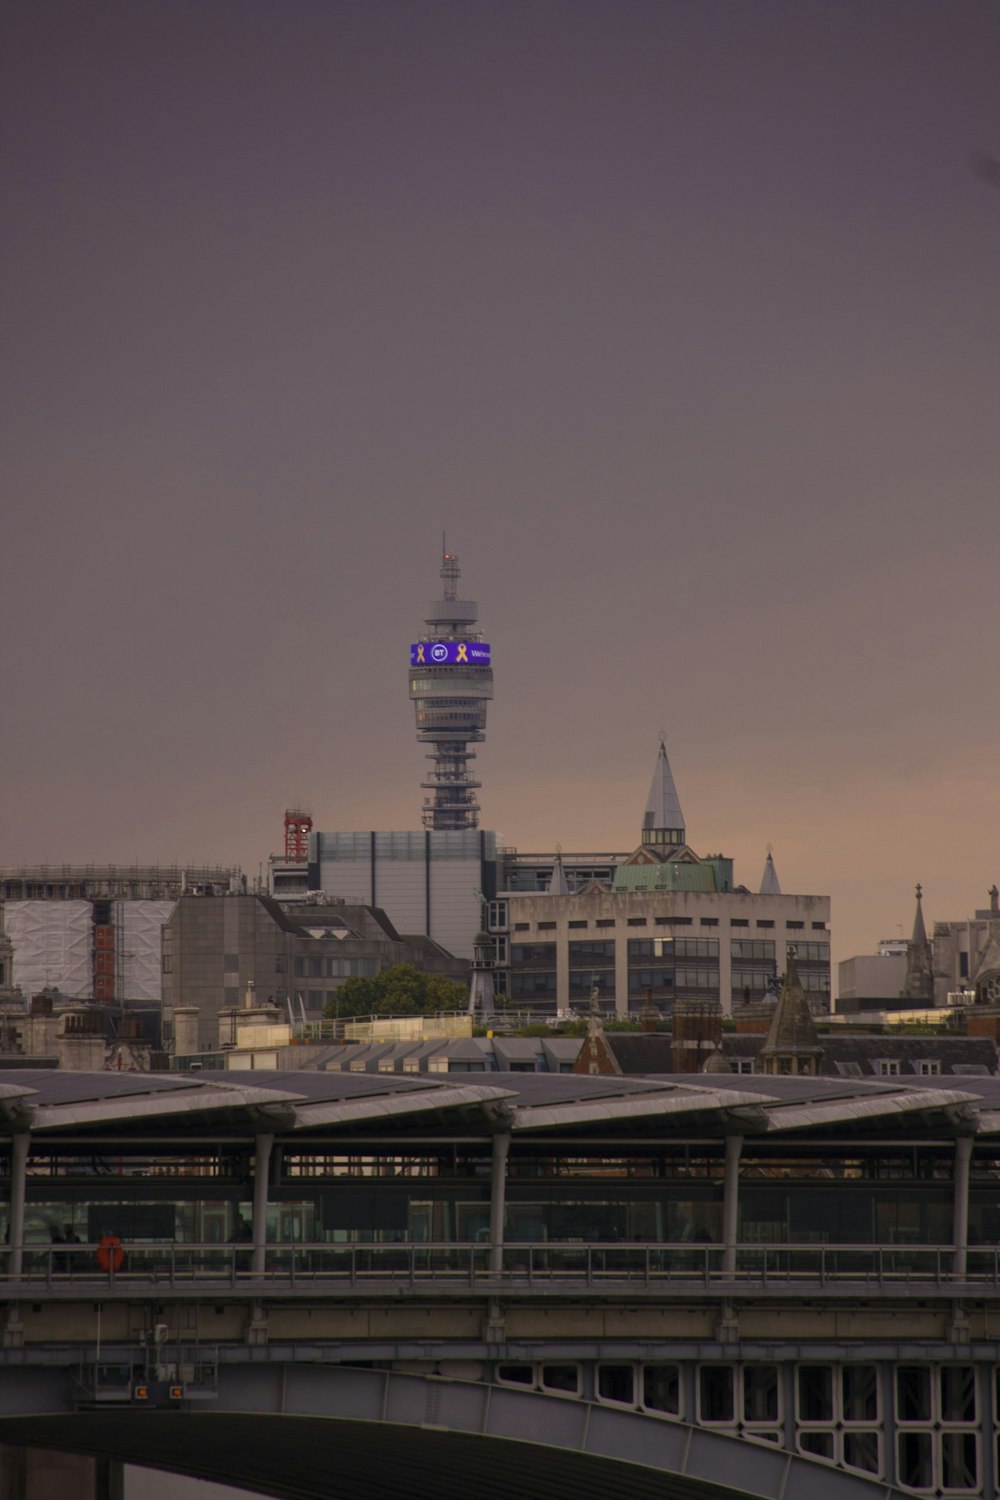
(683, 321)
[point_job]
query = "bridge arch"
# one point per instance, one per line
(332, 1433)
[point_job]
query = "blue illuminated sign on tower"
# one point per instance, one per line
(449, 654)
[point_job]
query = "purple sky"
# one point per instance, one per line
(682, 316)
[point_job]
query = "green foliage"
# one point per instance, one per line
(400, 991)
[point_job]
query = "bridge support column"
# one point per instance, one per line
(18, 1178)
(261, 1177)
(44, 1474)
(731, 1203)
(960, 1217)
(498, 1198)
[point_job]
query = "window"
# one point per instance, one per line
(696, 947)
(762, 948)
(231, 995)
(795, 926)
(527, 982)
(605, 922)
(564, 1379)
(764, 923)
(546, 926)
(739, 922)
(586, 953)
(497, 915)
(533, 953)
(231, 963)
(616, 1383)
(636, 921)
(168, 964)
(279, 964)
(521, 926)
(819, 927)
(577, 924)
(661, 1389)
(744, 1065)
(887, 1067)
(691, 978)
(716, 1402)
(709, 922)
(928, 1067)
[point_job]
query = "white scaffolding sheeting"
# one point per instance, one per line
(138, 934)
(53, 942)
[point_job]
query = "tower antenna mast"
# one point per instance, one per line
(451, 682)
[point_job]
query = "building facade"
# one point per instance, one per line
(215, 950)
(669, 924)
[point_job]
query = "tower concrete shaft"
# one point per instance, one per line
(451, 681)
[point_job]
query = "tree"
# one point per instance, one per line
(400, 991)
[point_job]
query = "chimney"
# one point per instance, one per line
(697, 1033)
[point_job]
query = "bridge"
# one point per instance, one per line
(523, 1285)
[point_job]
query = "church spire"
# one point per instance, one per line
(793, 1044)
(663, 822)
(919, 982)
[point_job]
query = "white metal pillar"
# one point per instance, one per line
(261, 1173)
(498, 1198)
(731, 1202)
(960, 1216)
(18, 1180)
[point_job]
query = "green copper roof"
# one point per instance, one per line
(679, 876)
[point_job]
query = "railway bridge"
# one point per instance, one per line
(313, 1284)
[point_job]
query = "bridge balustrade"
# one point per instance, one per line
(536, 1265)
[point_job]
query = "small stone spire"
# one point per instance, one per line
(663, 822)
(793, 1045)
(769, 880)
(919, 982)
(482, 992)
(558, 884)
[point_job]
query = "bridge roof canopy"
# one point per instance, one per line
(529, 1105)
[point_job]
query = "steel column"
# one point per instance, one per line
(731, 1202)
(498, 1198)
(960, 1218)
(18, 1180)
(261, 1174)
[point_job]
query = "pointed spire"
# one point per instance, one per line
(793, 1044)
(663, 822)
(558, 884)
(919, 982)
(769, 880)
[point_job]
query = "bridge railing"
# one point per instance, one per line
(550, 1263)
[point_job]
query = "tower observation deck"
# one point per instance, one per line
(451, 681)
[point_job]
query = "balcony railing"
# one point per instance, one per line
(427, 1268)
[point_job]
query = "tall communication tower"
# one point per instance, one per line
(451, 681)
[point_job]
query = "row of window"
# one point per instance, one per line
(580, 923)
(601, 952)
(336, 968)
(837, 1410)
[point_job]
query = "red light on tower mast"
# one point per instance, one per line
(298, 826)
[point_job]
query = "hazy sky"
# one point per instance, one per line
(682, 316)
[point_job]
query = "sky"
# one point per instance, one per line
(682, 317)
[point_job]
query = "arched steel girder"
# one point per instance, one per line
(308, 1433)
